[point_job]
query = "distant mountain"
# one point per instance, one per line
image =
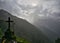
(23, 28)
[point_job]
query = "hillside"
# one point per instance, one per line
(23, 28)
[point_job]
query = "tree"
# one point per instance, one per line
(1, 33)
(57, 41)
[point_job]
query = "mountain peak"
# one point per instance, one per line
(1, 10)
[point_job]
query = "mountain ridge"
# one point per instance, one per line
(24, 29)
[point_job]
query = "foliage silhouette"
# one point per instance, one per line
(57, 41)
(1, 34)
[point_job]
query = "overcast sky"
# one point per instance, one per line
(42, 13)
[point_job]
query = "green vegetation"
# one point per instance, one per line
(21, 40)
(1, 34)
(58, 40)
(9, 35)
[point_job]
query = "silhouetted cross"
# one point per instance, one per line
(9, 21)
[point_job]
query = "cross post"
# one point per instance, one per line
(9, 21)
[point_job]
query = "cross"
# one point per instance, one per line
(9, 21)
